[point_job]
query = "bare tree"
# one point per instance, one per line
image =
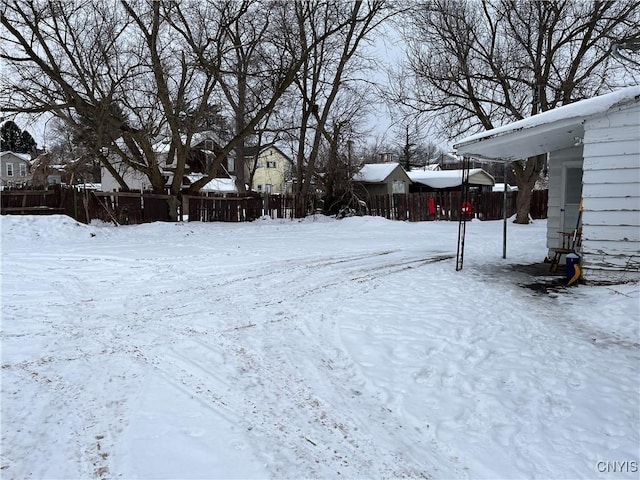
(252, 56)
(125, 74)
(60, 57)
(326, 81)
(478, 64)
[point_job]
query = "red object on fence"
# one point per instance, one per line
(467, 209)
(431, 206)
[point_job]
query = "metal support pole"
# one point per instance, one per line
(504, 214)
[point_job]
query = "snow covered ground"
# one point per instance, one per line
(312, 349)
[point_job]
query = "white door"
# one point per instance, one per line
(571, 196)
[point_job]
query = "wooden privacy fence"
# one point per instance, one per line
(131, 208)
(222, 209)
(418, 207)
(141, 207)
(127, 208)
(31, 202)
(86, 205)
(215, 208)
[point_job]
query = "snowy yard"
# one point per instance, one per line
(312, 349)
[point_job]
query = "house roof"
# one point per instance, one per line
(499, 187)
(253, 150)
(220, 185)
(545, 132)
(375, 172)
(449, 178)
(433, 166)
(22, 156)
(196, 139)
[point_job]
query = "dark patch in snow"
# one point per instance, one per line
(546, 287)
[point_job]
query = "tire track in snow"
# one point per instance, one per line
(260, 365)
(151, 336)
(280, 370)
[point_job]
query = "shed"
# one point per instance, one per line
(593, 149)
(382, 179)
(430, 180)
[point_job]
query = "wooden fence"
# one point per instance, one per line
(33, 202)
(141, 207)
(414, 207)
(215, 208)
(85, 205)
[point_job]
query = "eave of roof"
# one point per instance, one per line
(375, 172)
(546, 132)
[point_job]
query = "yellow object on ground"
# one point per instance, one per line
(576, 274)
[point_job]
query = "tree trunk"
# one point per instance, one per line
(174, 203)
(240, 124)
(526, 173)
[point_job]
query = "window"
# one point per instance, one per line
(231, 165)
(260, 188)
(9, 169)
(399, 186)
(271, 164)
(260, 164)
(23, 170)
(268, 185)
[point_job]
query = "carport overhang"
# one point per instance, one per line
(545, 132)
(519, 142)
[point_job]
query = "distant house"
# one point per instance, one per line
(15, 169)
(271, 169)
(447, 180)
(44, 173)
(593, 149)
(205, 147)
(382, 179)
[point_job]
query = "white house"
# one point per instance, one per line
(593, 149)
(202, 154)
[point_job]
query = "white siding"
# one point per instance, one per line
(611, 192)
(599, 204)
(134, 180)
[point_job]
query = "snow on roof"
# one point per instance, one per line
(197, 138)
(220, 185)
(432, 166)
(449, 178)
(88, 186)
(24, 156)
(375, 172)
(553, 129)
(499, 187)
